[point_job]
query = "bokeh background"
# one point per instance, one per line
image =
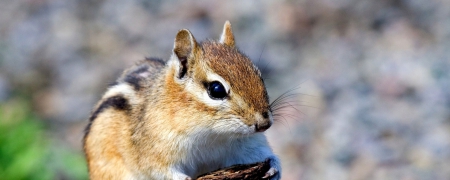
(370, 80)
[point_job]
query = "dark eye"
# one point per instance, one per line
(216, 90)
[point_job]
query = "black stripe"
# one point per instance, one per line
(133, 80)
(141, 69)
(117, 102)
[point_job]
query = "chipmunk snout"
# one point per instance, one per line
(261, 127)
(264, 123)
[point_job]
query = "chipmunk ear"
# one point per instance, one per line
(184, 48)
(227, 37)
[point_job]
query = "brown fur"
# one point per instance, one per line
(165, 109)
(103, 161)
(237, 69)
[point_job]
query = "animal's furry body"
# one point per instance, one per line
(162, 120)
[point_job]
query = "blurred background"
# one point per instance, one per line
(370, 79)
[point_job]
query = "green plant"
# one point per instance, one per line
(27, 153)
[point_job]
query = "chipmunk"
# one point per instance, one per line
(205, 108)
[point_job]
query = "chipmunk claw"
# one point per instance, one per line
(270, 173)
(274, 172)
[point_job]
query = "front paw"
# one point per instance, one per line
(274, 173)
(177, 175)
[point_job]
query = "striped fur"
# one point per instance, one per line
(157, 120)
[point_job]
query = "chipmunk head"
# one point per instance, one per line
(220, 83)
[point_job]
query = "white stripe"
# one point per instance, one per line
(122, 89)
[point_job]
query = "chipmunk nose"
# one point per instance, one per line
(261, 127)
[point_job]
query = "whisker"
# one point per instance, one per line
(287, 93)
(260, 54)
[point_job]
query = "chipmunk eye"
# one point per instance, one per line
(216, 90)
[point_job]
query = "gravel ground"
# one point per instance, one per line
(371, 78)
